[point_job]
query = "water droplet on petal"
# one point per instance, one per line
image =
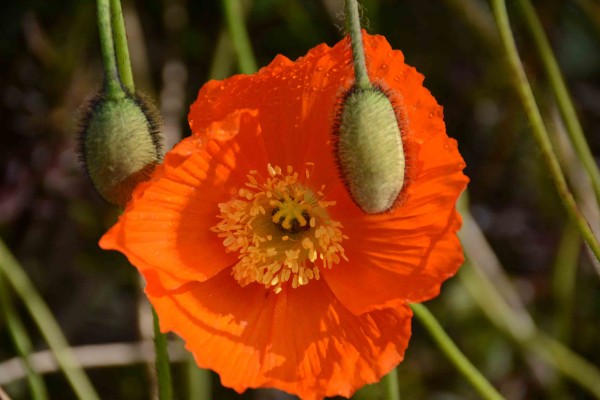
(450, 145)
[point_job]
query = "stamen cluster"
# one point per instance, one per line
(280, 229)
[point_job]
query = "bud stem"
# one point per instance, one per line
(234, 16)
(358, 53)
(112, 85)
(120, 42)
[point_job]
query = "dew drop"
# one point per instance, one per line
(431, 114)
(450, 144)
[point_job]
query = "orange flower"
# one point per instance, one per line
(253, 251)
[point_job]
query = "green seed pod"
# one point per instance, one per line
(369, 149)
(120, 144)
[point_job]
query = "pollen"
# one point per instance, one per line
(280, 229)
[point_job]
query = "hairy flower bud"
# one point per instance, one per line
(369, 149)
(120, 144)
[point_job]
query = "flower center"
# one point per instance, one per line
(290, 215)
(281, 231)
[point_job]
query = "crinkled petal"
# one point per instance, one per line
(296, 103)
(302, 341)
(165, 229)
(350, 327)
(410, 251)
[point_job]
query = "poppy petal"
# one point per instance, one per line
(404, 254)
(327, 335)
(302, 341)
(166, 226)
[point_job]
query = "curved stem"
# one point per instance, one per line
(199, 381)
(45, 321)
(563, 99)
(120, 42)
(234, 15)
(163, 368)
(531, 340)
(472, 374)
(538, 129)
(358, 52)
(564, 273)
(22, 343)
(483, 387)
(112, 85)
(391, 388)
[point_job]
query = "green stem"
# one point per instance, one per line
(222, 60)
(563, 99)
(358, 52)
(479, 382)
(391, 387)
(234, 15)
(22, 343)
(530, 339)
(538, 128)
(48, 326)
(163, 368)
(569, 363)
(563, 282)
(199, 381)
(484, 279)
(121, 49)
(112, 85)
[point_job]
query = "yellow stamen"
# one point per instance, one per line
(280, 229)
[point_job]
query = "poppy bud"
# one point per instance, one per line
(120, 144)
(369, 149)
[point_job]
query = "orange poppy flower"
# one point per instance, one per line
(256, 255)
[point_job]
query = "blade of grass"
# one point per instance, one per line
(49, 327)
(487, 285)
(453, 353)
(222, 60)
(513, 318)
(531, 340)
(234, 16)
(561, 93)
(538, 129)
(22, 343)
(563, 282)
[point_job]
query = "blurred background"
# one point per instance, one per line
(51, 218)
